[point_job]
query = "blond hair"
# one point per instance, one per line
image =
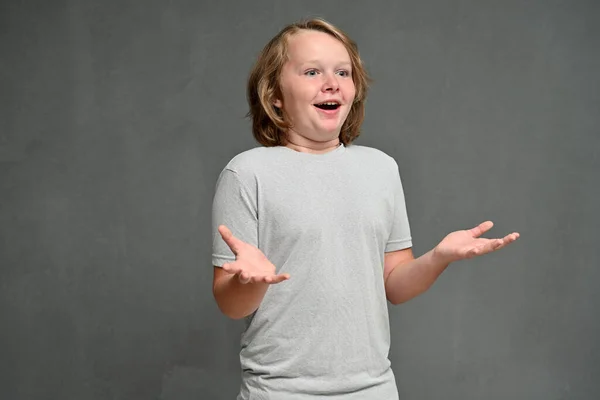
(268, 122)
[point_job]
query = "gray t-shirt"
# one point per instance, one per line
(327, 220)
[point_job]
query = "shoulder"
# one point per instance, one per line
(372, 155)
(253, 163)
(247, 159)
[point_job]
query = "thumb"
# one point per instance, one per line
(230, 240)
(481, 228)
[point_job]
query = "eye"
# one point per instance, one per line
(344, 73)
(311, 72)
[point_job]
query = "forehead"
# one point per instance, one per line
(314, 45)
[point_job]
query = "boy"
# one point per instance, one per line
(322, 239)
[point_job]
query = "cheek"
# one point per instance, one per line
(349, 90)
(300, 95)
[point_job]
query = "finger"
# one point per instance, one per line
(496, 244)
(508, 239)
(261, 279)
(481, 228)
(231, 268)
(274, 279)
(244, 277)
(227, 267)
(231, 241)
(474, 252)
(492, 245)
(488, 247)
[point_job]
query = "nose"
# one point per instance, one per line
(330, 83)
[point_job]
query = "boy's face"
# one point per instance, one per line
(317, 87)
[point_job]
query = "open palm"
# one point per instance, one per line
(250, 265)
(469, 243)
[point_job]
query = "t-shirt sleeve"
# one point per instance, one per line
(234, 205)
(400, 236)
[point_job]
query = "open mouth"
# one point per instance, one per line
(330, 105)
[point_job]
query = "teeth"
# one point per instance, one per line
(330, 103)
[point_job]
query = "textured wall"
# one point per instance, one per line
(117, 116)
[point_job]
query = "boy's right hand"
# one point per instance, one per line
(250, 265)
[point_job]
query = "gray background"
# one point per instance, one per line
(117, 116)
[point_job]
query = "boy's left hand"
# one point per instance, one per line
(468, 243)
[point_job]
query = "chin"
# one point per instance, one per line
(323, 137)
(331, 134)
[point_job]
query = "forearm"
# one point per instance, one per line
(414, 277)
(238, 300)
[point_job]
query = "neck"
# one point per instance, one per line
(317, 147)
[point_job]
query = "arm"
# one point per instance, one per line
(407, 277)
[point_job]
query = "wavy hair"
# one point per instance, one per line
(268, 122)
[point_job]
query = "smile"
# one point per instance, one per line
(329, 105)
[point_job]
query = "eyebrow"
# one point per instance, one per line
(343, 63)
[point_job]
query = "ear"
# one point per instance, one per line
(277, 103)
